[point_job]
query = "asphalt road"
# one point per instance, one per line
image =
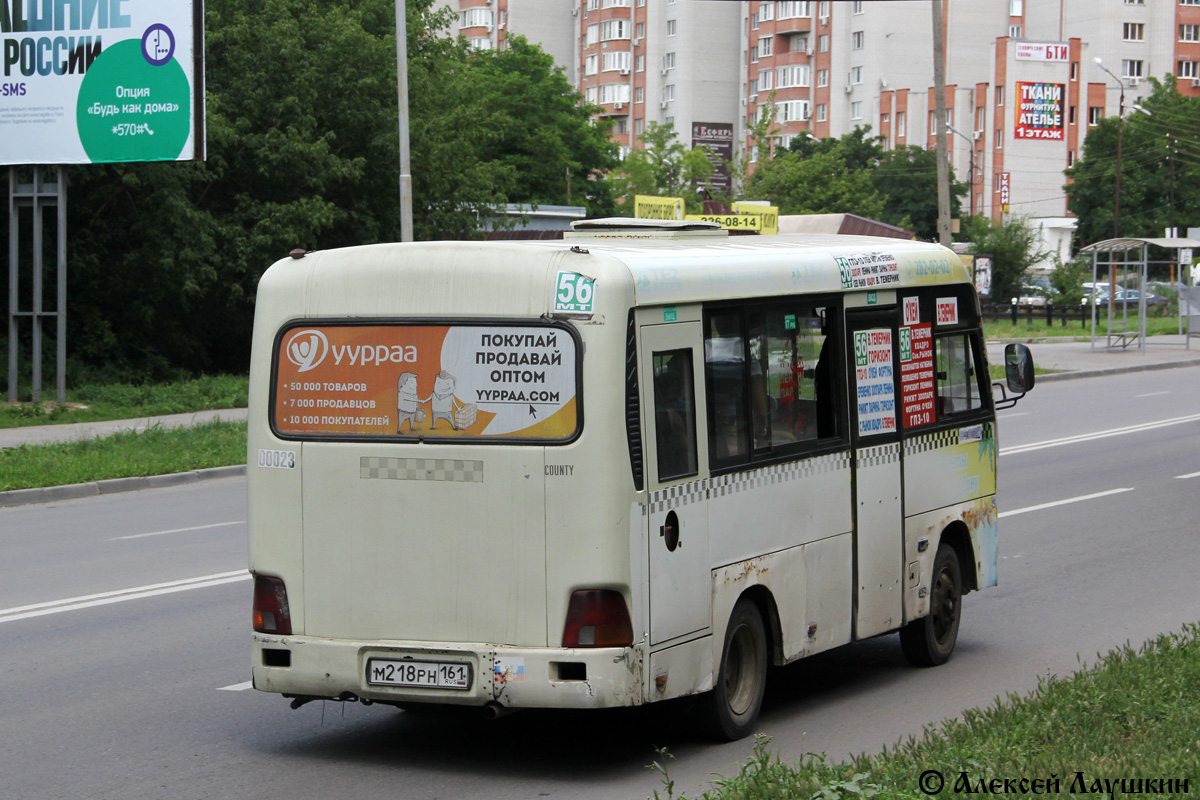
(124, 643)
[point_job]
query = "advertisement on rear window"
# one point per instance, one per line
(429, 381)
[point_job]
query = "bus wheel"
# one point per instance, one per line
(730, 710)
(929, 641)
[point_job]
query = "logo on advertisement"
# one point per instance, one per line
(307, 349)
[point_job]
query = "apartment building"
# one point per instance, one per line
(1022, 82)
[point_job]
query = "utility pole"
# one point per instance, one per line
(939, 92)
(406, 221)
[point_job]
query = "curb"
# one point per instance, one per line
(1098, 373)
(74, 491)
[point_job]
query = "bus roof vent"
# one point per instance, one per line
(632, 228)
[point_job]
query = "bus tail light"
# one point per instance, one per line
(597, 618)
(271, 613)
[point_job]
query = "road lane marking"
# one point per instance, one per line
(237, 687)
(1189, 475)
(1148, 394)
(1014, 414)
(121, 595)
(1087, 437)
(180, 530)
(1079, 499)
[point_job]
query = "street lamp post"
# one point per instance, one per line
(970, 161)
(1120, 126)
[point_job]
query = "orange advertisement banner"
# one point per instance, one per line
(383, 381)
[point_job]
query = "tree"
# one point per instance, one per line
(1146, 142)
(663, 166)
(907, 178)
(557, 152)
(1014, 248)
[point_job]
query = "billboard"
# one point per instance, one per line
(717, 139)
(1040, 110)
(101, 81)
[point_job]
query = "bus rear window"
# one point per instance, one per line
(401, 381)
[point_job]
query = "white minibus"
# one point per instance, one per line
(643, 462)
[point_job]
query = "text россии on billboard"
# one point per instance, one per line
(93, 81)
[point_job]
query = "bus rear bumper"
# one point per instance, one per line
(514, 677)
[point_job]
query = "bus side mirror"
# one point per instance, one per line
(1018, 368)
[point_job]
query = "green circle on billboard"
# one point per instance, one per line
(133, 109)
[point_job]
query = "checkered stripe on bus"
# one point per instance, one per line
(420, 469)
(878, 456)
(676, 496)
(931, 441)
(778, 473)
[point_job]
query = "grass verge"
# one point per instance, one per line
(155, 451)
(125, 401)
(1037, 328)
(1134, 716)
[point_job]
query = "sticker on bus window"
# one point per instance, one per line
(476, 381)
(947, 311)
(574, 294)
(912, 310)
(917, 399)
(876, 387)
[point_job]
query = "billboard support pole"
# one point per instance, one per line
(37, 195)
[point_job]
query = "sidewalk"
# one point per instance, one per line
(1079, 359)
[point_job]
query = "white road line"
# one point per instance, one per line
(1087, 437)
(180, 530)
(1079, 499)
(237, 687)
(1149, 394)
(1189, 475)
(1014, 414)
(120, 596)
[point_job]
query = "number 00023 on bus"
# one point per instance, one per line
(643, 462)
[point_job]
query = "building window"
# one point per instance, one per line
(754, 154)
(823, 43)
(618, 60)
(753, 55)
(999, 138)
(765, 79)
(900, 124)
(822, 78)
(622, 125)
(1189, 69)
(591, 65)
(766, 11)
(999, 95)
(883, 118)
(798, 43)
(1189, 2)
(856, 75)
(1014, 31)
(1135, 2)
(822, 112)
(1016, 8)
(475, 17)
(592, 5)
(480, 43)
(641, 63)
(671, 27)
(669, 92)
(753, 88)
(639, 126)
(856, 40)
(640, 30)
(614, 29)
(614, 3)
(792, 111)
(793, 9)
(593, 35)
(980, 118)
(754, 22)
(856, 110)
(1095, 113)
(764, 46)
(639, 95)
(1189, 33)
(1074, 70)
(1131, 68)
(669, 61)
(797, 75)
(1071, 115)
(614, 93)
(592, 95)
(823, 9)
(1134, 32)
(1070, 158)
(858, 6)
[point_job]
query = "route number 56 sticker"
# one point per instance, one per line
(574, 293)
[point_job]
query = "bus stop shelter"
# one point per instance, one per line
(1128, 262)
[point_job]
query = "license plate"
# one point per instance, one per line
(419, 674)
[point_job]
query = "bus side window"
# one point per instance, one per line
(725, 363)
(674, 414)
(957, 379)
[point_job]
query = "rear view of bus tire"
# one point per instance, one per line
(929, 641)
(730, 710)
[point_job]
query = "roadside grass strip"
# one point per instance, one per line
(128, 454)
(109, 401)
(1127, 726)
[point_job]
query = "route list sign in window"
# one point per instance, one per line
(426, 380)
